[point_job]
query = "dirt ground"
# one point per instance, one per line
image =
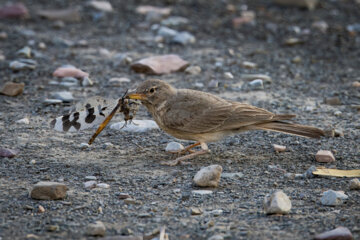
(329, 64)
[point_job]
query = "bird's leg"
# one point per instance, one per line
(204, 150)
(187, 149)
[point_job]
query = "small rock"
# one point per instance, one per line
(213, 84)
(208, 176)
(23, 64)
(89, 178)
(333, 101)
(32, 237)
(12, 89)
(216, 237)
(293, 41)
(333, 198)
(247, 17)
(321, 25)
(199, 85)
(58, 24)
(103, 185)
(69, 82)
(52, 101)
(66, 15)
(17, 10)
(41, 209)
(69, 72)
(174, 147)
(337, 113)
(249, 65)
(279, 148)
(277, 203)
(124, 195)
(356, 84)
(296, 59)
(86, 82)
(324, 156)
(201, 192)
(23, 121)
(52, 228)
(64, 96)
(250, 77)
(193, 70)
(90, 184)
(9, 153)
(216, 212)
(355, 184)
(33, 162)
(196, 211)
(42, 45)
(104, 6)
(228, 75)
(118, 81)
(24, 52)
(339, 233)
(145, 9)
(96, 229)
(309, 172)
(256, 84)
(48, 191)
(108, 145)
(129, 201)
(84, 145)
(3, 35)
(184, 38)
(236, 175)
(135, 126)
(174, 21)
(166, 32)
(160, 65)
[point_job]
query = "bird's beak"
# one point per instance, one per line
(137, 96)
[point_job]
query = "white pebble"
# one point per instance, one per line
(333, 198)
(135, 126)
(90, 184)
(202, 192)
(208, 176)
(84, 145)
(228, 75)
(23, 121)
(174, 147)
(277, 203)
(103, 185)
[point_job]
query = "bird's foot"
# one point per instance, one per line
(180, 160)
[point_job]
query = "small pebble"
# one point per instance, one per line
(90, 184)
(90, 178)
(166, 32)
(228, 75)
(250, 77)
(108, 145)
(208, 176)
(337, 113)
(33, 162)
(293, 41)
(324, 156)
(256, 84)
(193, 70)
(355, 184)
(3, 35)
(23, 121)
(124, 196)
(333, 101)
(174, 21)
(174, 147)
(333, 198)
(213, 83)
(201, 192)
(279, 148)
(184, 38)
(277, 203)
(96, 229)
(130, 201)
(196, 211)
(48, 191)
(235, 175)
(64, 96)
(103, 185)
(321, 25)
(86, 82)
(23, 64)
(356, 84)
(42, 45)
(41, 209)
(9, 153)
(339, 233)
(249, 65)
(216, 237)
(104, 6)
(24, 52)
(84, 145)
(118, 81)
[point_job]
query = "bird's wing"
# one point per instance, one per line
(199, 112)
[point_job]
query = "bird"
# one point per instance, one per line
(203, 117)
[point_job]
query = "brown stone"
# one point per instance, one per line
(324, 156)
(69, 72)
(160, 65)
(48, 191)
(12, 89)
(340, 233)
(333, 101)
(17, 10)
(9, 153)
(355, 184)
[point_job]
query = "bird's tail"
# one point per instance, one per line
(291, 128)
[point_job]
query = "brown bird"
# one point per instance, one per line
(203, 117)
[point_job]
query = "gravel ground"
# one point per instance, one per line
(324, 65)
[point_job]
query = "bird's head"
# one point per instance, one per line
(152, 92)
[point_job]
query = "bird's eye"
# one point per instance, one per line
(152, 90)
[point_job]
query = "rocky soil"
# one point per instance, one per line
(311, 60)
